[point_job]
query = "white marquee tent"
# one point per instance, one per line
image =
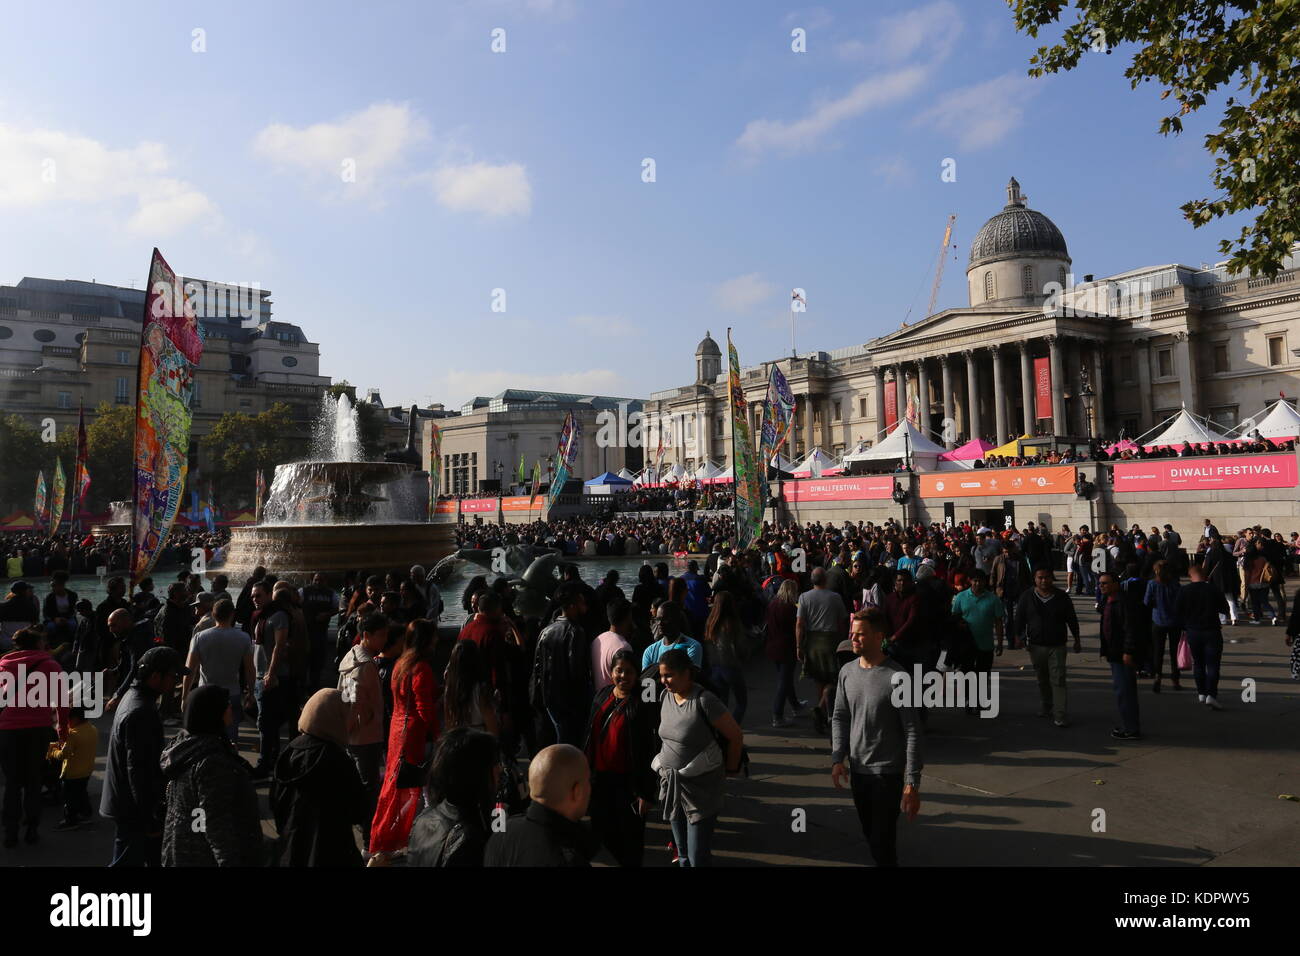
(905, 442)
(816, 464)
(1184, 428)
(1279, 421)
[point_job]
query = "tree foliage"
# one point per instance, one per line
(1194, 48)
(240, 445)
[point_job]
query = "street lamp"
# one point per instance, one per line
(1089, 399)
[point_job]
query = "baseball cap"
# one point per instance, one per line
(203, 597)
(161, 660)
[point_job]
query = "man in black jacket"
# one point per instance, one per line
(550, 831)
(1198, 608)
(1119, 646)
(561, 680)
(134, 786)
(1043, 616)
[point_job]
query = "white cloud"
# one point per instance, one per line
(852, 50)
(39, 166)
(743, 292)
(375, 141)
(811, 18)
(604, 325)
(804, 133)
(982, 115)
(932, 30)
(896, 171)
(494, 190)
(470, 382)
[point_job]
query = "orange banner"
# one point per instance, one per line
(447, 507)
(999, 482)
(520, 503)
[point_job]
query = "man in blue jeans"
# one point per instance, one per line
(1196, 612)
(1119, 646)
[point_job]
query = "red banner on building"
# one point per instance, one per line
(478, 505)
(839, 489)
(519, 503)
(1043, 387)
(999, 482)
(891, 404)
(1208, 473)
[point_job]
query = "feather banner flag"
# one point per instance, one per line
(59, 496)
(171, 346)
(435, 467)
(40, 498)
(748, 490)
(566, 454)
(80, 472)
(259, 495)
(537, 483)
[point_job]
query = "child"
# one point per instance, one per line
(77, 753)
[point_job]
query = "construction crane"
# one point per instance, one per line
(943, 259)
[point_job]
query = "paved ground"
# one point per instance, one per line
(1201, 789)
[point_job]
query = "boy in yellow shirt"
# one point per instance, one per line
(77, 754)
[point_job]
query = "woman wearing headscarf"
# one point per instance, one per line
(208, 781)
(415, 725)
(317, 794)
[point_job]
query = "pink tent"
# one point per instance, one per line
(969, 451)
(1124, 444)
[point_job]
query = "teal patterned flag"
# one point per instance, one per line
(748, 488)
(566, 454)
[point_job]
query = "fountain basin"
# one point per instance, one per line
(299, 551)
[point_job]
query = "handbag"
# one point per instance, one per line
(1184, 654)
(410, 774)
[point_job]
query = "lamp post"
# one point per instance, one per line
(1089, 400)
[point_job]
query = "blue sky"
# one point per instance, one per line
(522, 171)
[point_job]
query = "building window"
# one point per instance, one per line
(120, 392)
(862, 408)
(835, 412)
(1061, 276)
(288, 361)
(1165, 363)
(1130, 427)
(1126, 368)
(196, 396)
(6, 332)
(245, 402)
(1027, 280)
(1221, 357)
(65, 399)
(1277, 350)
(1225, 416)
(988, 285)
(43, 335)
(123, 357)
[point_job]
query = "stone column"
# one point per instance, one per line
(973, 430)
(949, 427)
(1099, 390)
(808, 437)
(878, 383)
(999, 396)
(1185, 369)
(1142, 352)
(923, 390)
(1058, 385)
(904, 388)
(1028, 393)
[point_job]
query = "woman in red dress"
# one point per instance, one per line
(415, 725)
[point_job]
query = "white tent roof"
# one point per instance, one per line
(1282, 421)
(824, 461)
(676, 471)
(624, 473)
(1184, 428)
(706, 471)
(905, 439)
(781, 463)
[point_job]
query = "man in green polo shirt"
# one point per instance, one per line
(982, 611)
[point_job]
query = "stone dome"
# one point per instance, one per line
(707, 347)
(1017, 232)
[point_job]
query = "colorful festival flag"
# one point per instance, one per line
(778, 413)
(81, 471)
(59, 496)
(40, 498)
(435, 466)
(522, 474)
(537, 483)
(566, 454)
(748, 490)
(170, 348)
(259, 495)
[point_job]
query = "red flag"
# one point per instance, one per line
(81, 473)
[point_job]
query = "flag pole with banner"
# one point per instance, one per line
(435, 467)
(566, 454)
(171, 345)
(748, 494)
(258, 495)
(81, 471)
(40, 499)
(537, 487)
(58, 497)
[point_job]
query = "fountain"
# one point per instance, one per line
(335, 512)
(119, 520)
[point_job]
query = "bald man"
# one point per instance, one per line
(133, 639)
(550, 831)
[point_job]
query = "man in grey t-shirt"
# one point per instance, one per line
(818, 629)
(881, 742)
(220, 655)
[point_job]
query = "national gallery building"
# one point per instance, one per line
(1036, 351)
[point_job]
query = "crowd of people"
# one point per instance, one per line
(37, 554)
(624, 699)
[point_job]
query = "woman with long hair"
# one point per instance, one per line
(725, 650)
(413, 729)
(467, 695)
(454, 828)
(782, 651)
